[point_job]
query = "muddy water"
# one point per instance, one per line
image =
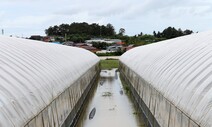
(113, 107)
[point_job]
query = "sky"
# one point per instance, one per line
(31, 17)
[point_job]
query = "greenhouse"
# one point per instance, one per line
(172, 80)
(43, 84)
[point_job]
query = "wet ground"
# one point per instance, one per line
(113, 107)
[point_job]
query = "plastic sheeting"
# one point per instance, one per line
(33, 74)
(179, 70)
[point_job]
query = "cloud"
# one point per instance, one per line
(69, 12)
(134, 15)
(26, 21)
(113, 8)
(167, 9)
(2, 14)
(99, 9)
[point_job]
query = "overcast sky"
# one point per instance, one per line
(32, 17)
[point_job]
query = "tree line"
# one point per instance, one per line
(79, 32)
(171, 32)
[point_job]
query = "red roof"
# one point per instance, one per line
(80, 44)
(89, 47)
(120, 43)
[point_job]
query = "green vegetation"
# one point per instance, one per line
(109, 64)
(125, 86)
(135, 113)
(171, 32)
(127, 89)
(79, 32)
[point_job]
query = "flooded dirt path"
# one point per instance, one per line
(113, 108)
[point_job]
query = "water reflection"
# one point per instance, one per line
(113, 108)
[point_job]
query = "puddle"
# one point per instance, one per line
(113, 108)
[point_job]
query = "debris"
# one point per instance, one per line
(101, 83)
(107, 94)
(121, 92)
(92, 113)
(111, 109)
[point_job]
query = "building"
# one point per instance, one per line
(109, 41)
(90, 48)
(36, 37)
(129, 47)
(68, 43)
(114, 48)
(87, 47)
(48, 39)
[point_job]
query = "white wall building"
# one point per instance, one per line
(109, 41)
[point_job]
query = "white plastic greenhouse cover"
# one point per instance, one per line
(181, 70)
(33, 73)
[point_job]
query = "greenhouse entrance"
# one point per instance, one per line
(110, 104)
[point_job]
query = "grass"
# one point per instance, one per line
(126, 87)
(135, 113)
(109, 64)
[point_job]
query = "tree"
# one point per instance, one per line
(154, 33)
(159, 35)
(64, 29)
(187, 32)
(141, 34)
(171, 32)
(82, 29)
(121, 31)
(110, 30)
(51, 31)
(180, 32)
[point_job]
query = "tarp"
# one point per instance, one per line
(180, 70)
(33, 74)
